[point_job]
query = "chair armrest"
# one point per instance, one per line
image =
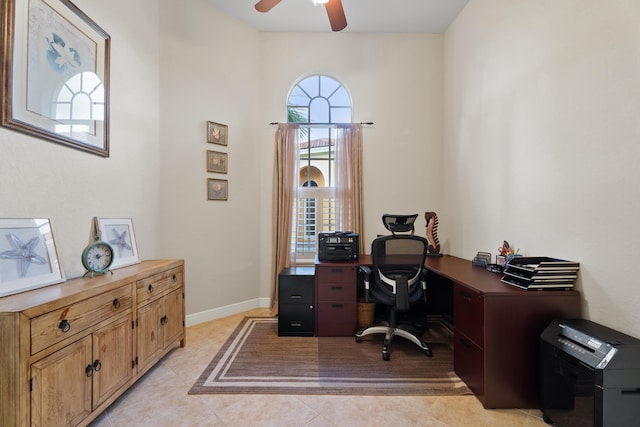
(367, 276)
(423, 283)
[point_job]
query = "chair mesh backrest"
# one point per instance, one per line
(397, 255)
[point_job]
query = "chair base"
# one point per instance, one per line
(390, 332)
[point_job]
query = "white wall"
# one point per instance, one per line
(43, 179)
(216, 68)
(209, 72)
(542, 101)
(396, 82)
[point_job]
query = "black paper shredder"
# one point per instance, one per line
(589, 375)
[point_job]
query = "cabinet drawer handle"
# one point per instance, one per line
(116, 303)
(97, 365)
(296, 296)
(89, 370)
(466, 296)
(296, 323)
(150, 288)
(174, 278)
(465, 343)
(337, 305)
(336, 288)
(164, 320)
(64, 325)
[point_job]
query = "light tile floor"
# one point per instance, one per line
(160, 399)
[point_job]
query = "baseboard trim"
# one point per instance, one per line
(228, 310)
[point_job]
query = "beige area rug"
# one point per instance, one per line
(256, 360)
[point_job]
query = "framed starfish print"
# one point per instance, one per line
(118, 232)
(28, 255)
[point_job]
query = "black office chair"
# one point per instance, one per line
(397, 279)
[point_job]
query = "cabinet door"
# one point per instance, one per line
(61, 394)
(113, 351)
(173, 316)
(149, 339)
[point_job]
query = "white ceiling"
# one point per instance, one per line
(363, 16)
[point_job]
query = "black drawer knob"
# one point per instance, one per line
(116, 303)
(64, 325)
(150, 288)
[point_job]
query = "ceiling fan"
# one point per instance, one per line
(334, 9)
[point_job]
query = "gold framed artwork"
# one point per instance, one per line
(216, 161)
(55, 67)
(217, 133)
(217, 189)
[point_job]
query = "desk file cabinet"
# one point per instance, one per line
(496, 330)
(296, 306)
(336, 292)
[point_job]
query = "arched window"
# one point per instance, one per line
(318, 103)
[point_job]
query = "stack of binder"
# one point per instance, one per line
(540, 273)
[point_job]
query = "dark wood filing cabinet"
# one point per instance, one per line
(336, 288)
(296, 301)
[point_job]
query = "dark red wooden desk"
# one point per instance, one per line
(496, 326)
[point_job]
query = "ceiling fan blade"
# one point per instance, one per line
(337, 19)
(266, 5)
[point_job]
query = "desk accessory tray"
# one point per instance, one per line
(540, 273)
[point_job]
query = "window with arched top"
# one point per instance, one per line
(318, 103)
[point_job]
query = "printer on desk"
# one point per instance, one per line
(338, 246)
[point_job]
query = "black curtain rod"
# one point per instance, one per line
(321, 124)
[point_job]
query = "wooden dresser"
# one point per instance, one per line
(67, 351)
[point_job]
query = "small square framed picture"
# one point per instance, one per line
(217, 189)
(118, 232)
(216, 161)
(217, 133)
(28, 255)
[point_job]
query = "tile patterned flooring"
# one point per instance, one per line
(160, 399)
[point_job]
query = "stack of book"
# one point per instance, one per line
(540, 273)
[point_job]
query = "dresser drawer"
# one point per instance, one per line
(158, 284)
(60, 324)
(468, 313)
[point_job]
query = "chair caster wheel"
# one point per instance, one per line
(386, 357)
(429, 353)
(358, 339)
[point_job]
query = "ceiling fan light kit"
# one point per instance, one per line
(334, 9)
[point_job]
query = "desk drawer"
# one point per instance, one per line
(468, 313)
(468, 362)
(336, 274)
(60, 324)
(158, 284)
(328, 291)
(337, 318)
(296, 289)
(296, 320)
